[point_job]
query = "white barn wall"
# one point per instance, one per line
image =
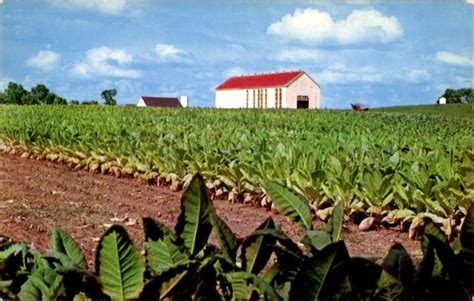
(303, 85)
(230, 99)
(141, 103)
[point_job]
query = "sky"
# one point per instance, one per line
(378, 53)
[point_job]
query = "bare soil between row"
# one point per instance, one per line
(36, 196)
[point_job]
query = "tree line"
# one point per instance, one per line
(464, 95)
(41, 95)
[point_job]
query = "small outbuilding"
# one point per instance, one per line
(441, 101)
(149, 101)
(292, 89)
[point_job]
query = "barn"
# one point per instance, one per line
(293, 89)
(149, 101)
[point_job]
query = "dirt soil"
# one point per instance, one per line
(36, 196)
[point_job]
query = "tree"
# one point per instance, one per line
(465, 95)
(2, 98)
(58, 100)
(39, 93)
(74, 102)
(49, 99)
(14, 93)
(108, 96)
(91, 102)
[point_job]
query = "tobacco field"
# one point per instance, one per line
(398, 167)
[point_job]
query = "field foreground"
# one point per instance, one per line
(38, 196)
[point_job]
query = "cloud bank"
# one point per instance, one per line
(44, 60)
(103, 61)
(315, 26)
(103, 6)
(454, 59)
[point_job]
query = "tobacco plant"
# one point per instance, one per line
(183, 264)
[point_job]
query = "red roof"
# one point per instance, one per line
(259, 80)
(161, 101)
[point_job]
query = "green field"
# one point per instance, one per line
(411, 165)
(451, 110)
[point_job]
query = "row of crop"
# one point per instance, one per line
(392, 166)
(184, 265)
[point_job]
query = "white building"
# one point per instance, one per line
(148, 101)
(294, 89)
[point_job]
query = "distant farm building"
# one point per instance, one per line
(148, 101)
(295, 89)
(441, 101)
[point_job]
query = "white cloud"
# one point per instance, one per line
(454, 59)
(297, 55)
(167, 52)
(470, 1)
(44, 60)
(104, 6)
(104, 61)
(235, 71)
(338, 73)
(417, 76)
(312, 25)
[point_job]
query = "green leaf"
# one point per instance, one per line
(399, 264)
(177, 283)
(155, 230)
(163, 254)
(43, 284)
(388, 288)
(61, 242)
(194, 225)
(324, 275)
(316, 239)
(290, 205)
(256, 250)
(279, 236)
(241, 289)
(334, 224)
(467, 240)
(227, 239)
(431, 229)
(119, 265)
(369, 281)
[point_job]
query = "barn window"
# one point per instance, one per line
(247, 99)
(254, 98)
(276, 98)
(266, 98)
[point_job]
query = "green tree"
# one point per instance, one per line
(58, 100)
(14, 93)
(2, 98)
(39, 93)
(108, 96)
(28, 99)
(91, 102)
(74, 102)
(49, 99)
(465, 95)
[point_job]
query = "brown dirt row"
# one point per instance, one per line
(36, 196)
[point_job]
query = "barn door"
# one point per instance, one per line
(302, 102)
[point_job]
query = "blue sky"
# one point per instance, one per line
(378, 53)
